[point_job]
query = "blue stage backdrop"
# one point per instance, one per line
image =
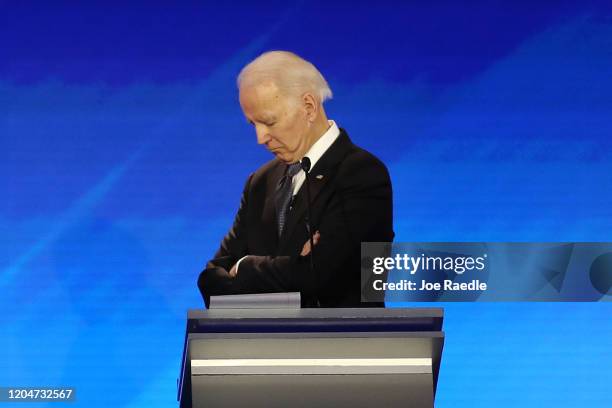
(123, 152)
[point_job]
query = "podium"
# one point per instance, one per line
(311, 357)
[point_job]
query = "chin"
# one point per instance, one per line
(284, 158)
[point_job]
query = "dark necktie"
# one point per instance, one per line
(283, 194)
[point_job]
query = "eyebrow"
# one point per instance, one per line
(263, 119)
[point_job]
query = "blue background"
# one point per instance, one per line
(123, 152)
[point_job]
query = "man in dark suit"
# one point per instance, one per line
(268, 248)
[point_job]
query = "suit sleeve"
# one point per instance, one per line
(360, 209)
(215, 279)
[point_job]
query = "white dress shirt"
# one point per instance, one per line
(316, 151)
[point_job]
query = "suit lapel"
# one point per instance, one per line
(300, 204)
(320, 175)
(268, 215)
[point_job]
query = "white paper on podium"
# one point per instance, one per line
(285, 300)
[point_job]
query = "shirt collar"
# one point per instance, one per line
(329, 137)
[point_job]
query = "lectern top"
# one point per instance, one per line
(317, 313)
(314, 320)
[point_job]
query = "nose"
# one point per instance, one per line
(262, 135)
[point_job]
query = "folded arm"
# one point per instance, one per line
(357, 210)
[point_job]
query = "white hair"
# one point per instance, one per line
(293, 75)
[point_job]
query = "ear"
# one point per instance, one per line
(311, 106)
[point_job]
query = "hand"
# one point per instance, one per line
(234, 271)
(315, 240)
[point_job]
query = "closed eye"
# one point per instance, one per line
(268, 124)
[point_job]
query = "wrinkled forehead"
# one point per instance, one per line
(259, 92)
(265, 97)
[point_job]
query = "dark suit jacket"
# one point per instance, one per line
(351, 203)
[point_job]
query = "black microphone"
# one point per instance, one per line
(305, 163)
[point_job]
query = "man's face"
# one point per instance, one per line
(280, 126)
